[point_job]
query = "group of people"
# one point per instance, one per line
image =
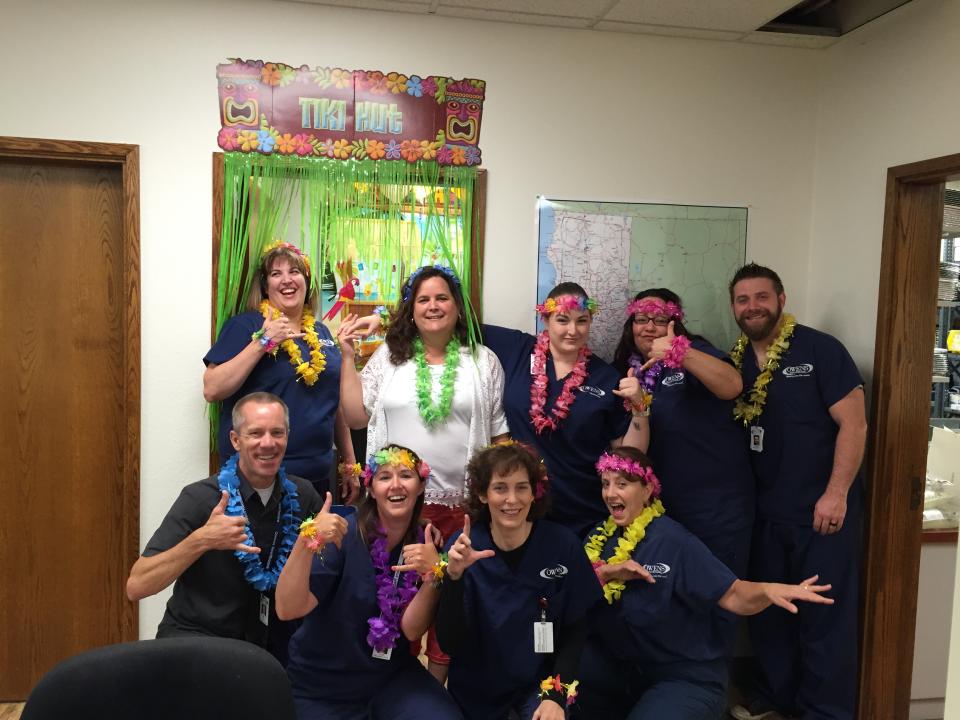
(512, 509)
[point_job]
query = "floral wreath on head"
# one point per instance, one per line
(393, 455)
(280, 244)
(655, 306)
(447, 273)
(617, 463)
(566, 303)
(543, 480)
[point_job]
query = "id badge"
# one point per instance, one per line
(264, 609)
(756, 438)
(384, 655)
(531, 364)
(543, 637)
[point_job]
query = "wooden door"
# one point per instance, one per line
(69, 383)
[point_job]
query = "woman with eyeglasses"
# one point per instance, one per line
(699, 451)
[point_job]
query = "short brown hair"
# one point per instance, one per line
(502, 459)
(258, 288)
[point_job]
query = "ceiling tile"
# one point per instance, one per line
(668, 30)
(389, 5)
(510, 17)
(814, 42)
(566, 8)
(732, 15)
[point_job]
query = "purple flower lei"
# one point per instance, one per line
(648, 378)
(392, 599)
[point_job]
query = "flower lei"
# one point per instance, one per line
(553, 684)
(538, 386)
(391, 598)
(632, 536)
(310, 371)
(620, 464)
(434, 414)
(648, 381)
(749, 410)
(392, 455)
(308, 530)
(254, 572)
(565, 303)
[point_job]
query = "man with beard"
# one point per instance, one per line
(803, 406)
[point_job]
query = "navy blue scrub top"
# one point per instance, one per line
(596, 418)
(799, 435)
(312, 408)
(668, 623)
(329, 655)
(501, 607)
(699, 453)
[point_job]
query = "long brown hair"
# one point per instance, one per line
(403, 329)
(368, 520)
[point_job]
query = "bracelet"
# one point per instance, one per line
(678, 350)
(267, 343)
(551, 685)
(351, 471)
(642, 408)
(308, 530)
(383, 313)
(439, 570)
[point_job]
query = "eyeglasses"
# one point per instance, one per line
(659, 321)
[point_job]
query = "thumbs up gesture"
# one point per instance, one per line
(630, 389)
(462, 555)
(225, 532)
(327, 527)
(662, 345)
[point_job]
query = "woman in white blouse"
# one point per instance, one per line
(425, 388)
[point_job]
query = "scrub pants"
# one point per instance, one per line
(732, 548)
(411, 694)
(617, 689)
(808, 661)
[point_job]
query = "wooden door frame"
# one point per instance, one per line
(899, 419)
(127, 157)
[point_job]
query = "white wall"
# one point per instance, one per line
(569, 113)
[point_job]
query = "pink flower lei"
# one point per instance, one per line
(538, 386)
(653, 306)
(615, 463)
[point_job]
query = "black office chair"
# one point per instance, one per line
(176, 678)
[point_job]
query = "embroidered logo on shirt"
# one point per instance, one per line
(327, 343)
(675, 379)
(658, 570)
(798, 370)
(596, 392)
(552, 573)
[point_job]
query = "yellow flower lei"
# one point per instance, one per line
(749, 410)
(632, 537)
(308, 371)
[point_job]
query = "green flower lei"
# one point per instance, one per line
(434, 414)
(750, 409)
(632, 536)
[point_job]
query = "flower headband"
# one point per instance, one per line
(651, 306)
(616, 463)
(565, 303)
(393, 455)
(280, 244)
(542, 480)
(449, 274)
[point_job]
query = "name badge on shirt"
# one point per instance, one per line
(756, 438)
(264, 609)
(382, 655)
(543, 637)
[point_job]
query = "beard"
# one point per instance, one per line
(762, 331)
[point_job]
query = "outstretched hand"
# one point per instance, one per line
(225, 532)
(421, 557)
(625, 572)
(462, 555)
(785, 595)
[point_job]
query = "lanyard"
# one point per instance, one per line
(276, 531)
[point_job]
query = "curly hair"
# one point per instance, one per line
(498, 461)
(368, 519)
(258, 286)
(402, 329)
(626, 346)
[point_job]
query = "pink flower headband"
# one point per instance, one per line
(565, 303)
(650, 306)
(280, 244)
(616, 463)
